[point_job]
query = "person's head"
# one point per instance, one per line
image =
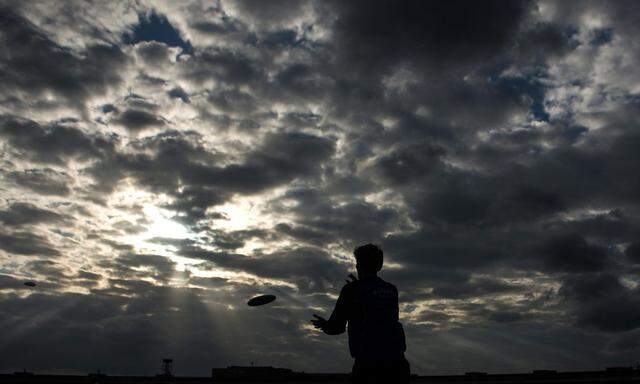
(368, 259)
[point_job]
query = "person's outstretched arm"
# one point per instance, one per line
(338, 320)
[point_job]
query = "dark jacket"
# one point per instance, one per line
(370, 307)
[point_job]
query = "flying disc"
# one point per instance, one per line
(30, 284)
(261, 300)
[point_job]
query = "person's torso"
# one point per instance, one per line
(373, 327)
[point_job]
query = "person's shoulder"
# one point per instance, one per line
(349, 287)
(388, 284)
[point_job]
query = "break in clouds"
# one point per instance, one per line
(162, 163)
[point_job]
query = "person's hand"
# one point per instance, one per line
(351, 278)
(319, 322)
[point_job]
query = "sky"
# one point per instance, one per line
(162, 162)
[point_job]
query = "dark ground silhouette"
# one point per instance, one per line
(240, 375)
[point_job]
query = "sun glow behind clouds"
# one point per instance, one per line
(248, 213)
(239, 214)
(160, 226)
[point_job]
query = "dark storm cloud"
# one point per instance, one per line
(132, 273)
(355, 221)
(540, 41)
(302, 82)
(408, 164)
(626, 342)
(137, 120)
(34, 64)
(233, 101)
(440, 34)
(505, 317)
(179, 93)
(285, 38)
(154, 53)
(226, 241)
(212, 28)
(586, 287)
(473, 288)
(581, 176)
(18, 214)
(456, 250)
(318, 218)
(304, 234)
(311, 269)
(468, 198)
(54, 273)
(131, 266)
(301, 119)
(9, 282)
(44, 181)
(633, 252)
(221, 239)
(409, 56)
(150, 81)
(191, 203)
(30, 244)
(609, 227)
(279, 159)
(572, 253)
(228, 67)
(462, 200)
(52, 143)
(271, 12)
(138, 102)
(600, 301)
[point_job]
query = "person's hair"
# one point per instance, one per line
(369, 257)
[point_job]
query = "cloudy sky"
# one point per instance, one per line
(162, 163)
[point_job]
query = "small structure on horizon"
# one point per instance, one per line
(167, 368)
(97, 375)
(24, 372)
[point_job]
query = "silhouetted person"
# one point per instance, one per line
(370, 307)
